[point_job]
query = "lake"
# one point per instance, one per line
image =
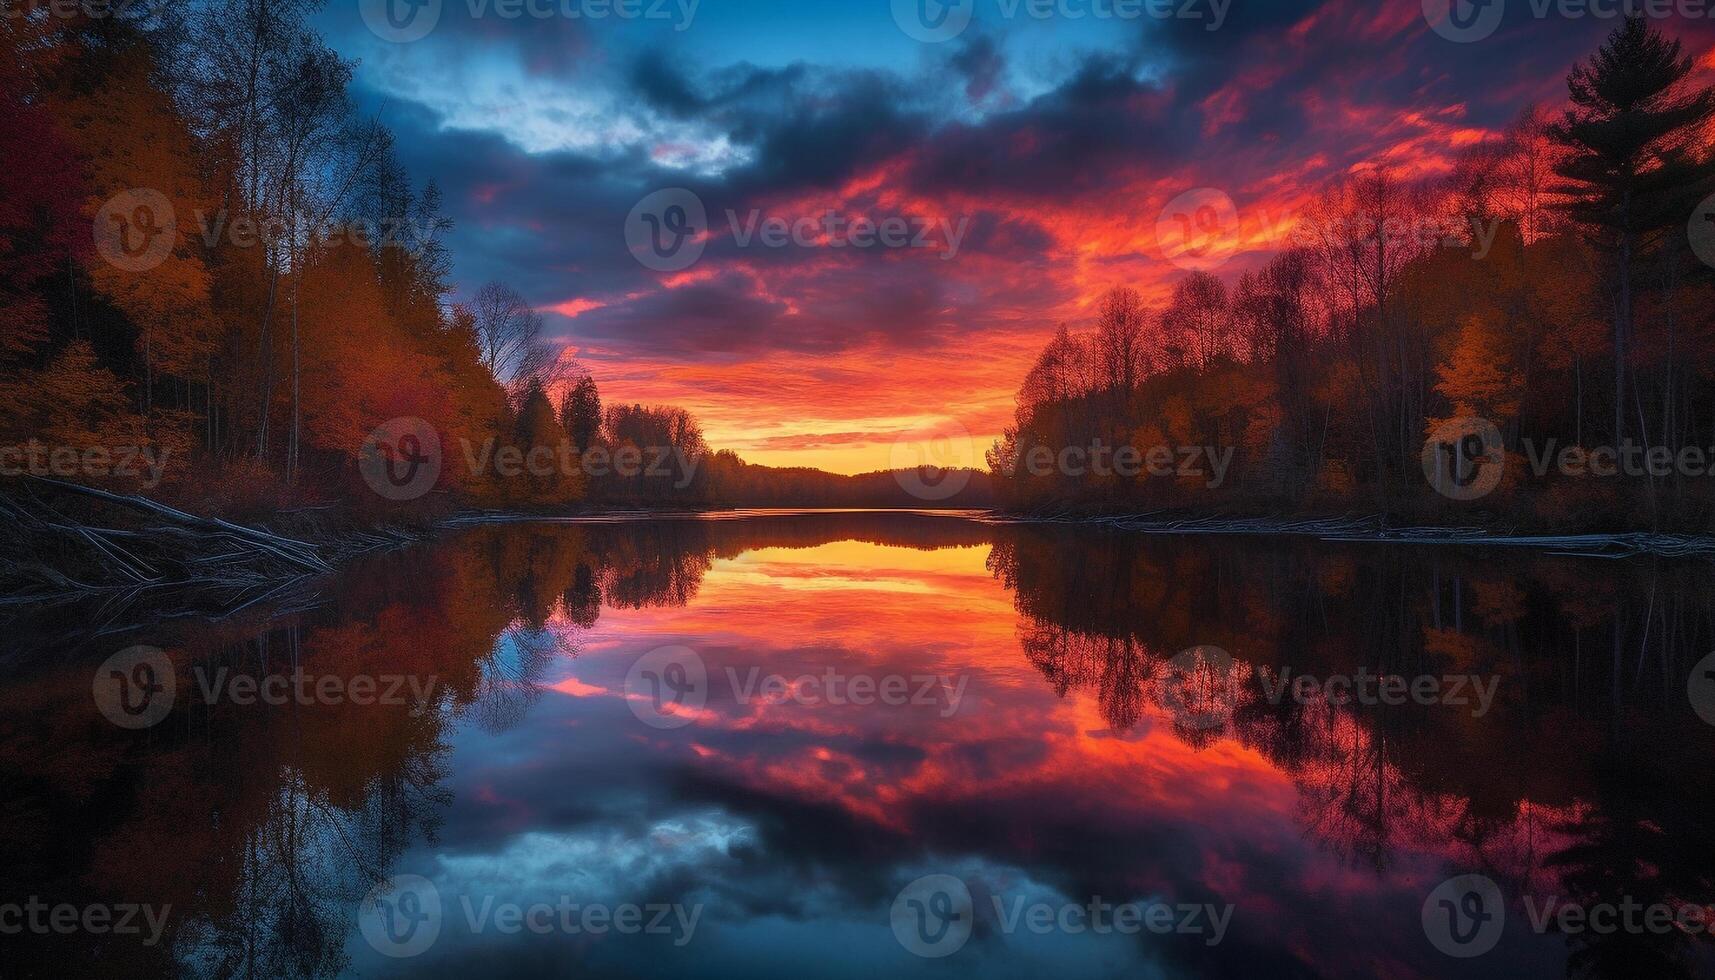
(874, 743)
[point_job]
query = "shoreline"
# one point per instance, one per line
(58, 593)
(275, 560)
(1376, 530)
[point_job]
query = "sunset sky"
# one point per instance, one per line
(1053, 144)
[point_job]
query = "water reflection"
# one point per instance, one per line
(1068, 768)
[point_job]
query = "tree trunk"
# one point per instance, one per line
(1622, 328)
(267, 358)
(292, 449)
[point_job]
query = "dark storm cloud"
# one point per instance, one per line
(806, 130)
(663, 86)
(1279, 84)
(806, 127)
(833, 307)
(1100, 123)
(819, 138)
(722, 315)
(980, 63)
(550, 224)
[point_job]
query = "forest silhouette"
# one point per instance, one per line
(1548, 287)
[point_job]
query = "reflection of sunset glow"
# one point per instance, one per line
(1057, 772)
(878, 609)
(576, 688)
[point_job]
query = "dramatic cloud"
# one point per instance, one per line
(1028, 160)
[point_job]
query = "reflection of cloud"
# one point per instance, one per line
(577, 688)
(595, 863)
(790, 820)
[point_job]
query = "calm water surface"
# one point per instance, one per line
(615, 715)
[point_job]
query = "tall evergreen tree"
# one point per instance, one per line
(1632, 171)
(580, 413)
(539, 433)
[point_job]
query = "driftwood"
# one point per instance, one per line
(79, 561)
(65, 541)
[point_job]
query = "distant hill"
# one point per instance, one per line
(735, 483)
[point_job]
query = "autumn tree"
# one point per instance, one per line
(41, 181)
(167, 303)
(1523, 189)
(351, 350)
(657, 452)
(1275, 312)
(1479, 378)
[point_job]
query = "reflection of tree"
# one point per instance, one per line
(1350, 797)
(583, 597)
(288, 814)
(264, 825)
(511, 675)
(1103, 614)
(640, 575)
(304, 869)
(1116, 667)
(1649, 841)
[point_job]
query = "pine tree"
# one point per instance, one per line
(1629, 172)
(580, 413)
(540, 437)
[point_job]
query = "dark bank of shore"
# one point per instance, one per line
(1382, 531)
(75, 547)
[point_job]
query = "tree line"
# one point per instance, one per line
(1565, 305)
(265, 285)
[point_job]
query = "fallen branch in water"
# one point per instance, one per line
(87, 562)
(298, 552)
(64, 540)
